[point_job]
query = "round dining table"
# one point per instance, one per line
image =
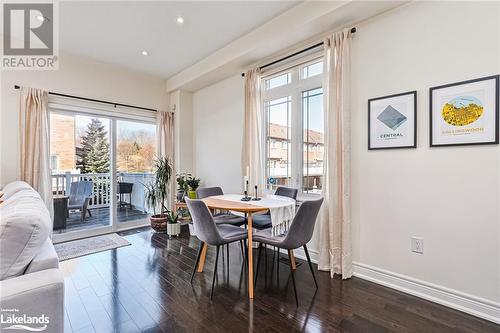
(227, 202)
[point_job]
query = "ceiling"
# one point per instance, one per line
(118, 31)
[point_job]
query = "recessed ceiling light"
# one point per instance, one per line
(40, 18)
(180, 20)
(145, 53)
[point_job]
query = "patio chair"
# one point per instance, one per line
(79, 196)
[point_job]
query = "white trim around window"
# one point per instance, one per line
(290, 90)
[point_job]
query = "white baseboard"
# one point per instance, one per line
(454, 299)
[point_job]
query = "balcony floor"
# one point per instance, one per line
(100, 217)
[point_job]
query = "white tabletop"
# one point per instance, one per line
(282, 209)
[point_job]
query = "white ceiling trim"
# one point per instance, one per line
(298, 27)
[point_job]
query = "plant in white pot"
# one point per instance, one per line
(156, 195)
(173, 227)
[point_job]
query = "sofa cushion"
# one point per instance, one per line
(46, 258)
(15, 187)
(24, 227)
(14, 198)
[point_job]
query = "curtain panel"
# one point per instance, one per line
(252, 150)
(335, 254)
(165, 146)
(34, 140)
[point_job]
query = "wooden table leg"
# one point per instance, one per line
(202, 258)
(250, 257)
(292, 259)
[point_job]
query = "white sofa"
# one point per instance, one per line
(31, 282)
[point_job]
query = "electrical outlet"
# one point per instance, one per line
(417, 245)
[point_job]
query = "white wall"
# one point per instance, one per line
(182, 103)
(217, 126)
(76, 76)
(449, 196)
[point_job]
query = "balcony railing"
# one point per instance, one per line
(101, 197)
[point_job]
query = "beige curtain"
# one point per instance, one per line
(335, 219)
(34, 136)
(165, 135)
(251, 158)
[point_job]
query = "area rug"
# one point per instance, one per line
(82, 247)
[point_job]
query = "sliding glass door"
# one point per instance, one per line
(99, 165)
(81, 172)
(135, 150)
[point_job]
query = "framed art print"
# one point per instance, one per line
(464, 113)
(392, 121)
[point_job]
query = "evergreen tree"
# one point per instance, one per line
(93, 155)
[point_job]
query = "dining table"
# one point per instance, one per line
(233, 202)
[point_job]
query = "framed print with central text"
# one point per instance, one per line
(392, 121)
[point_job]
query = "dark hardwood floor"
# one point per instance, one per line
(145, 288)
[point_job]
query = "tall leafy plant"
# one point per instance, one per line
(156, 193)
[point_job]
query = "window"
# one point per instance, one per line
(111, 148)
(314, 130)
(312, 69)
(294, 127)
(278, 134)
(278, 81)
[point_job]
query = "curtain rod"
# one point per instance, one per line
(98, 101)
(353, 30)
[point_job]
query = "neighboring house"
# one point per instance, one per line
(62, 143)
(278, 162)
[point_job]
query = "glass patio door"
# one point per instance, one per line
(135, 151)
(81, 172)
(99, 165)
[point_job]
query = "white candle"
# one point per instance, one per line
(245, 183)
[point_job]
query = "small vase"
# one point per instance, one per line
(192, 194)
(173, 229)
(180, 195)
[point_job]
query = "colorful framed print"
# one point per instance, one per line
(392, 121)
(464, 113)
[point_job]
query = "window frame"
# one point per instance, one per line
(68, 106)
(294, 89)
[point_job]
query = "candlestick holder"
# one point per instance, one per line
(246, 197)
(256, 198)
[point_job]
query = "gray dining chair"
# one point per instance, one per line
(263, 221)
(299, 234)
(211, 234)
(79, 196)
(222, 217)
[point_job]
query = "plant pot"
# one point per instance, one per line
(192, 194)
(173, 229)
(180, 195)
(159, 222)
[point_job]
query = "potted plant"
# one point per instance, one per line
(173, 227)
(182, 186)
(193, 183)
(156, 194)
